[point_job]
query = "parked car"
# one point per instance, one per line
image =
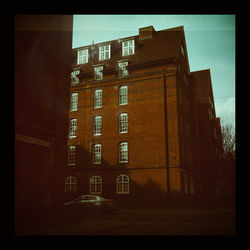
(91, 203)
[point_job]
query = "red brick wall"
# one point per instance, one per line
(146, 127)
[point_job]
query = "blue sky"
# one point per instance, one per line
(210, 41)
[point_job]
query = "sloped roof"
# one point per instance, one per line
(163, 45)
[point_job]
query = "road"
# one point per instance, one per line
(149, 222)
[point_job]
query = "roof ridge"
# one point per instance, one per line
(178, 28)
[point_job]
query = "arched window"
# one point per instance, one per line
(70, 184)
(95, 185)
(122, 184)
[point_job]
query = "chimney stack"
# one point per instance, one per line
(146, 32)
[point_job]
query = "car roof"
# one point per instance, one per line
(88, 195)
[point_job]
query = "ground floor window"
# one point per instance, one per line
(70, 184)
(95, 185)
(122, 184)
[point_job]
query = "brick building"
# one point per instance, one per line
(136, 126)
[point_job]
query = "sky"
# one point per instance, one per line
(210, 41)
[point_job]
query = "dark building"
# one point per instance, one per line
(140, 123)
(43, 55)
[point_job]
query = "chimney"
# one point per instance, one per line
(146, 32)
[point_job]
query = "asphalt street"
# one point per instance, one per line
(147, 222)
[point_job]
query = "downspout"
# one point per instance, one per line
(166, 131)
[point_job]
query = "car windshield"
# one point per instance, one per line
(87, 197)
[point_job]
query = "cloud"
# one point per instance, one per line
(226, 110)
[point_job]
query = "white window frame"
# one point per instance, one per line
(97, 154)
(123, 95)
(74, 102)
(122, 68)
(82, 56)
(95, 184)
(73, 128)
(123, 152)
(72, 155)
(98, 125)
(122, 184)
(128, 47)
(98, 98)
(98, 72)
(104, 52)
(123, 123)
(70, 184)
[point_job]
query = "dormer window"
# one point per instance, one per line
(182, 51)
(122, 68)
(128, 48)
(104, 52)
(98, 72)
(82, 56)
(74, 77)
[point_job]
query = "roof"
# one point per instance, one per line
(163, 45)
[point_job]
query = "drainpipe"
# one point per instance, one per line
(166, 131)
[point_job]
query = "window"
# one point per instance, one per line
(98, 72)
(123, 95)
(128, 48)
(122, 184)
(123, 123)
(74, 77)
(98, 125)
(70, 184)
(182, 50)
(95, 185)
(123, 155)
(97, 154)
(82, 56)
(104, 52)
(72, 155)
(72, 128)
(73, 102)
(98, 98)
(122, 68)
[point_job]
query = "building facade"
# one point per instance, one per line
(134, 121)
